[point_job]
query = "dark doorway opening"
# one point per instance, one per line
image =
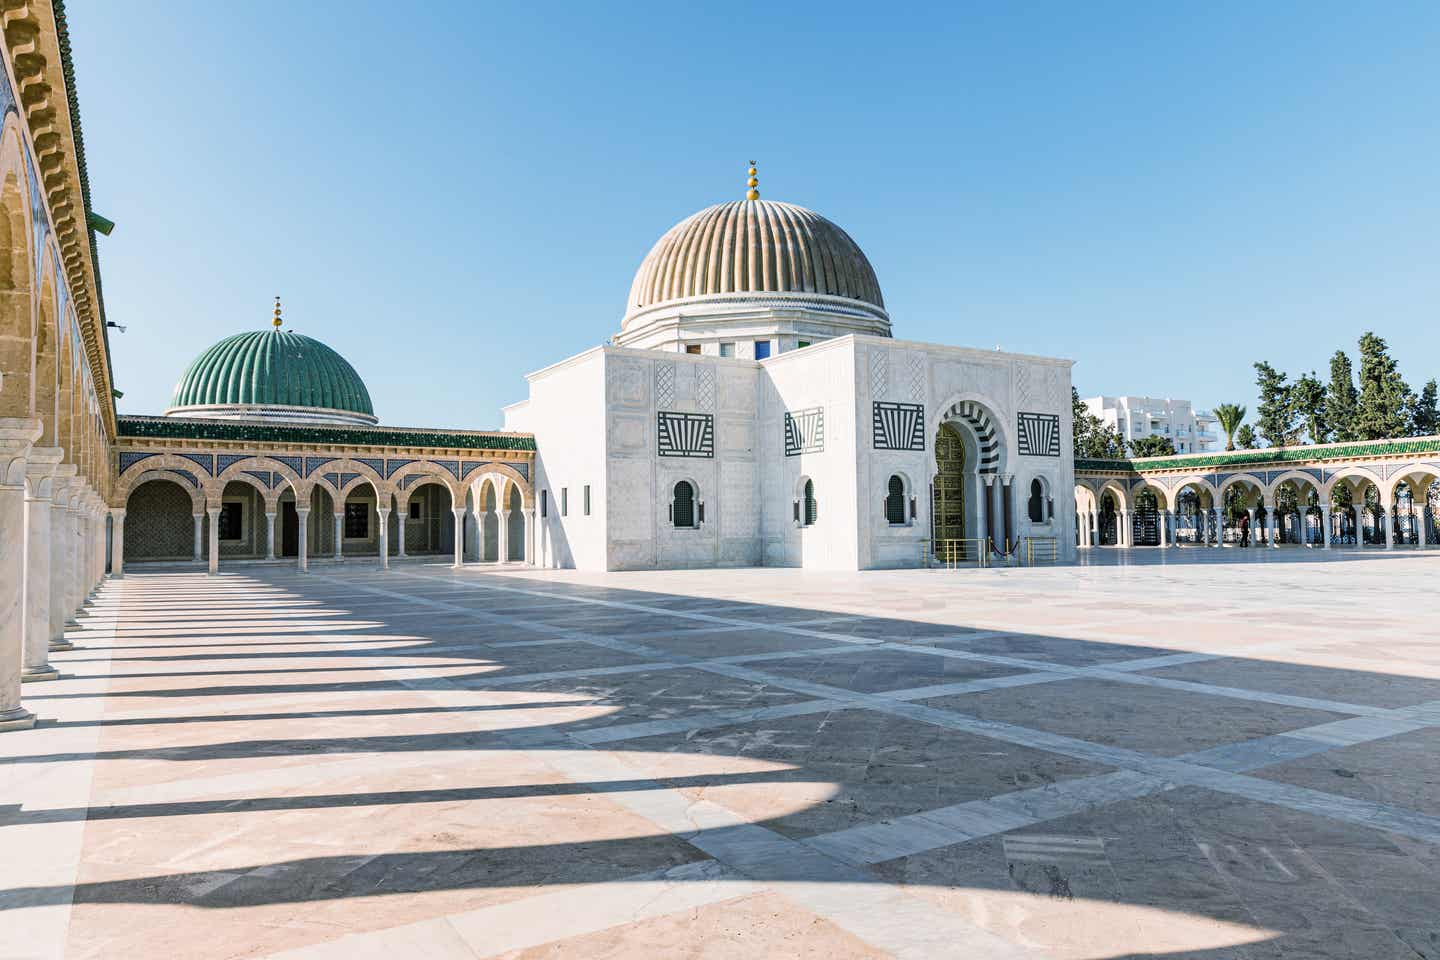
(289, 530)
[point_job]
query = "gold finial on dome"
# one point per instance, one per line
(752, 183)
(277, 321)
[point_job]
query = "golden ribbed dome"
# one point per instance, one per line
(753, 247)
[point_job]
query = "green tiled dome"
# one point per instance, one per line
(271, 368)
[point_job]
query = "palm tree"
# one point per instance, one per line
(1230, 416)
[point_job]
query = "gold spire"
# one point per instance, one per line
(277, 321)
(752, 183)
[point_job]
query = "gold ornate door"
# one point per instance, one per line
(947, 513)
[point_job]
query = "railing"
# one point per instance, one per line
(1035, 550)
(954, 553)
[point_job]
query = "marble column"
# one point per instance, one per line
(1325, 528)
(97, 545)
(1095, 529)
(1164, 520)
(1007, 511)
(302, 538)
(1389, 520)
(502, 540)
(16, 436)
(117, 542)
(75, 552)
(59, 563)
(199, 537)
(39, 488)
(270, 535)
(1270, 525)
(339, 536)
(529, 544)
(384, 513)
(459, 513)
(214, 528)
(1421, 534)
(403, 517)
(982, 505)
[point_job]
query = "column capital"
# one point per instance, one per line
(273, 513)
(383, 511)
(213, 511)
(303, 511)
(16, 436)
(118, 513)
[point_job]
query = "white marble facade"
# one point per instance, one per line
(608, 419)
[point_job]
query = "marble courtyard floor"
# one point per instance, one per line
(1195, 754)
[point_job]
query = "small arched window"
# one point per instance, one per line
(895, 501)
(1037, 501)
(682, 506)
(811, 509)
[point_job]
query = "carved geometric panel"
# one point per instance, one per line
(805, 431)
(705, 387)
(898, 426)
(664, 384)
(879, 373)
(1039, 434)
(685, 434)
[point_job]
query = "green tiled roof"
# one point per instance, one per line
(1243, 458)
(175, 428)
(276, 367)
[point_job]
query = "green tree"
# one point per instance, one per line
(1093, 439)
(1308, 398)
(1152, 446)
(1245, 437)
(1341, 399)
(1230, 415)
(1276, 416)
(1384, 402)
(1425, 412)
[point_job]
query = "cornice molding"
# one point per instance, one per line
(39, 49)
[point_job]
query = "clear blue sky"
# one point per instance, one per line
(453, 195)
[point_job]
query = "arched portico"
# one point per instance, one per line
(972, 490)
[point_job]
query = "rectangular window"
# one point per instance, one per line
(544, 503)
(693, 348)
(414, 509)
(727, 349)
(587, 499)
(564, 501)
(762, 349)
(357, 521)
(232, 517)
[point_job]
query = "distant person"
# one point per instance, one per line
(1245, 530)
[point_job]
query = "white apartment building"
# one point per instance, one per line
(1191, 430)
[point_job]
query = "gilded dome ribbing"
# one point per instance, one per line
(753, 247)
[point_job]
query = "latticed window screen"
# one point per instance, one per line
(895, 501)
(682, 510)
(811, 508)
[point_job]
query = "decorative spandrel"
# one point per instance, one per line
(898, 426)
(685, 434)
(1039, 434)
(805, 431)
